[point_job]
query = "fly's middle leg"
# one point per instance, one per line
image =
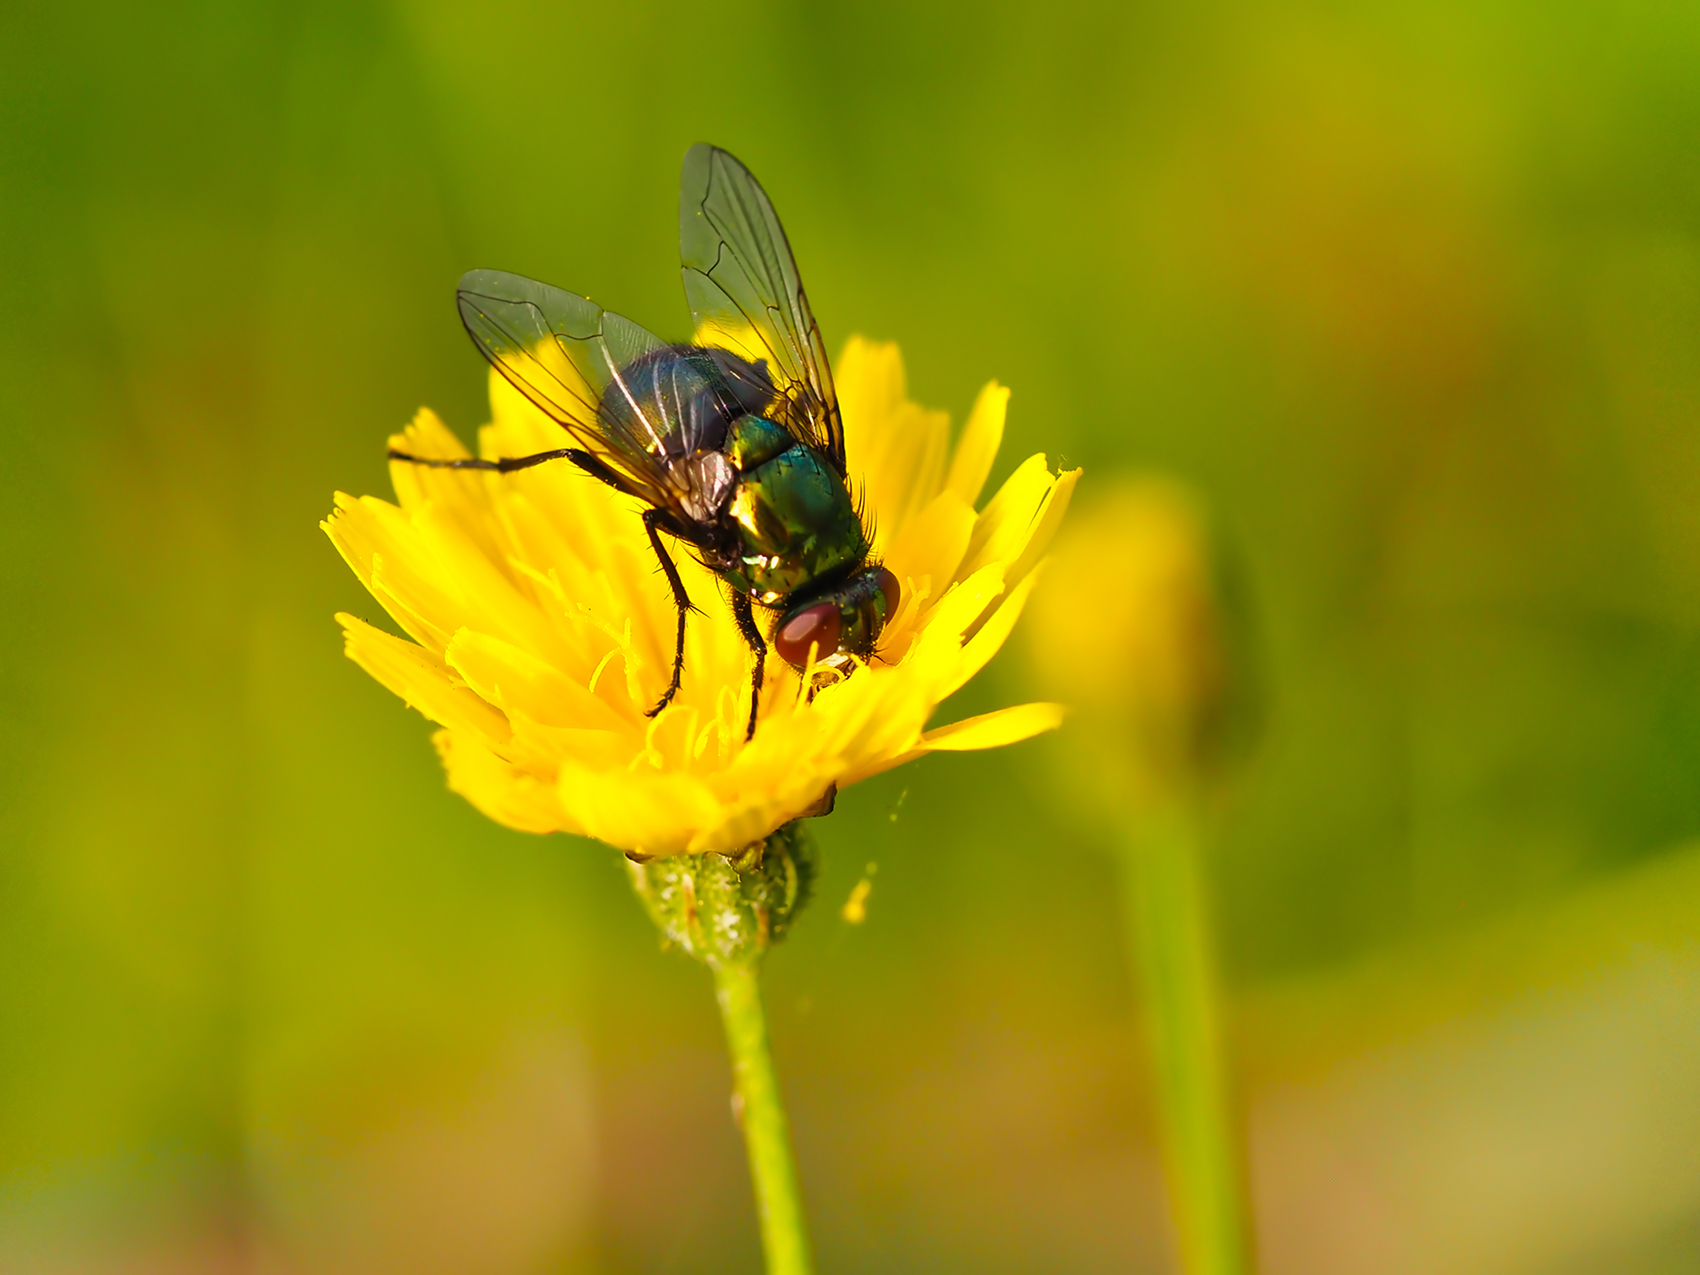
(752, 635)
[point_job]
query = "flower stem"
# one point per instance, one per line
(1170, 944)
(784, 1236)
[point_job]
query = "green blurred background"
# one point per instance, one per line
(1409, 292)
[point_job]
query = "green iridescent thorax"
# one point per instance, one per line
(795, 518)
(753, 440)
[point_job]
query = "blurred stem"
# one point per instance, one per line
(784, 1235)
(1170, 944)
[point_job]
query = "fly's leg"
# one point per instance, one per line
(504, 466)
(595, 466)
(652, 521)
(752, 635)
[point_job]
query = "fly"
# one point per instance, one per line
(734, 444)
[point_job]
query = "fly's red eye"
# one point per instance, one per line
(888, 586)
(818, 626)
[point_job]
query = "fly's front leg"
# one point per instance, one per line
(752, 635)
(652, 522)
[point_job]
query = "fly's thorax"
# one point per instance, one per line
(752, 441)
(796, 525)
(844, 620)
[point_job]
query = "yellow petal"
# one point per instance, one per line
(994, 629)
(504, 792)
(418, 486)
(345, 533)
(378, 542)
(990, 730)
(1044, 527)
(994, 730)
(489, 595)
(518, 427)
(978, 447)
(646, 810)
(1007, 521)
(513, 679)
(423, 681)
(962, 605)
(897, 449)
(931, 545)
(541, 750)
(426, 435)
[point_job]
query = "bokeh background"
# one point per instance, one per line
(1408, 292)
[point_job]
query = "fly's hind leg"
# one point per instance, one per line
(653, 520)
(595, 466)
(752, 635)
(506, 465)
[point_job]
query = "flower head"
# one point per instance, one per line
(541, 630)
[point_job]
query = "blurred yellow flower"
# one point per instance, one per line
(541, 630)
(1129, 633)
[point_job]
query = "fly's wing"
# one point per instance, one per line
(745, 294)
(574, 360)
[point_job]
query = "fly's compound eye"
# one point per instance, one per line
(889, 590)
(819, 626)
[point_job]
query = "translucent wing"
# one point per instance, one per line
(746, 296)
(649, 411)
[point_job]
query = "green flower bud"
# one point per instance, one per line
(729, 909)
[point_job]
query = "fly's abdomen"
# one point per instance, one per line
(679, 400)
(796, 525)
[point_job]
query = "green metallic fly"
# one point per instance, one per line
(737, 451)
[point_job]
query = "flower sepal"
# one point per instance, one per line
(728, 909)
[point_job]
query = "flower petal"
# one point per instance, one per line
(462, 493)
(377, 541)
(513, 679)
(490, 596)
(989, 730)
(422, 680)
(994, 730)
(504, 792)
(644, 810)
(994, 629)
(1008, 520)
(930, 548)
(899, 448)
(978, 446)
(1045, 525)
(961, 606)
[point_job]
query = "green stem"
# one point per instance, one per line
(1169, 941)
(784, 1236)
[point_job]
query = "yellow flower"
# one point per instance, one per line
(542, 631)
